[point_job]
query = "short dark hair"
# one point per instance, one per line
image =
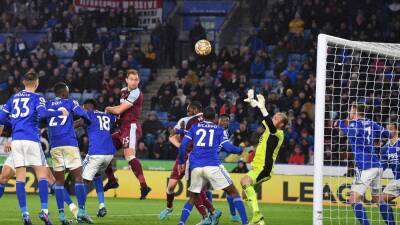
(197, 105)
(209, 113)
(91, 101)
(31, 76)
(224, 115)
(359, 107)
(59, 87)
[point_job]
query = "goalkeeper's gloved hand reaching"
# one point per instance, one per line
(260, 102)
(250, 98)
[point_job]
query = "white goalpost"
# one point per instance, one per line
(367, 73)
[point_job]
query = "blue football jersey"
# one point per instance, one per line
(61, 128)
(100, 140)
(390, 155)
(207, 138)
(361, 134)
(23, 111)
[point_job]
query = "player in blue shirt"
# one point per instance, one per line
(361, 134)
(390, 155)
(23, 110)
(64, 150)
(205, 166)
(101, 149)
(223, 122)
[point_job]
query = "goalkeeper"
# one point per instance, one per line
(266, 152)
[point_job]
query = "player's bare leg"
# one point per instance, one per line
(6, 174)
(136, 168)
(251, 199)
(170, 198)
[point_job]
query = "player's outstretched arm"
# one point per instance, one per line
(342, 126)
(79, 111)
(230, 148)
(119, 109)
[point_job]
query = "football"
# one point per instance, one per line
(203, 47)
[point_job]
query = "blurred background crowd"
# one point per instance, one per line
(90, 50)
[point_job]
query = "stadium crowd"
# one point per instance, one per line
(278, 60)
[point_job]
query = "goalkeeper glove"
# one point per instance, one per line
(260, 103)
(250, 98)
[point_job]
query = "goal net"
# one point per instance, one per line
(366, 75)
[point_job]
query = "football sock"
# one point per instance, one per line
(387, 213)
(360, 213)
(44, 193)
(21, 195)
(187, 209)
(238, 202)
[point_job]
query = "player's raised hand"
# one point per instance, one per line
(7, 147)
(64, 111)
(261, 104)
(250, 98)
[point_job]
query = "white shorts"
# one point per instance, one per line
(27, 153)
(66, 157)
(393, 188)
(217, 176)
(95, 164)
(365, 179)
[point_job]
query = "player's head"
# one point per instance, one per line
(223, 121)
(31, 80)
(90, 104)
(61, 90)
(393, 128)
(280, 120)
(132, 79)
(209, 114)
(356, 111)
(194, 108)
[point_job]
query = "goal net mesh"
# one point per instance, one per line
(367, 74)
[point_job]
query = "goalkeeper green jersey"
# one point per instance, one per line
(267, 150)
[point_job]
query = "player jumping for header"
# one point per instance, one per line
(130, 130)
(266, 152)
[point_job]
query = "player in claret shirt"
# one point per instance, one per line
(390, 155)
(64, 150)
(23, 111)
(361, 134)
(130, 130)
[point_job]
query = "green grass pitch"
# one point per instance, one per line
(135, 212)
(122, 211)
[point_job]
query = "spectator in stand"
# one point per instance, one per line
(142, 151)
(197, 32)
(297, 157)
(254, 42)
(296, 25)
(151, 128)
(291, 73)
(257, 68)
(240, 168)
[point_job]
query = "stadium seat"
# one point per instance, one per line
(76, 96)
(49, 95)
